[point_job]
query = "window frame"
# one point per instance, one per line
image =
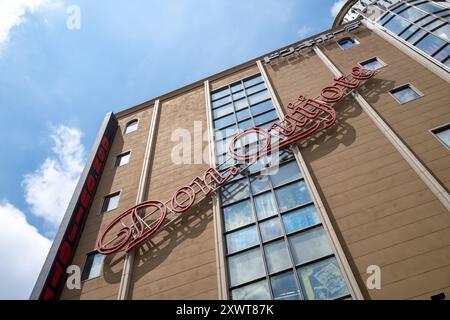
(383, 64)
(130, 123)
(436, 130)
(109, 196)
(398, 88)
(91, 253)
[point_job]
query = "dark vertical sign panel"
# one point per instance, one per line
(52, 278)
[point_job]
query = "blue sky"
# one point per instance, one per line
(57, 84)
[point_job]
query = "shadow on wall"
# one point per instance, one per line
(155, 250)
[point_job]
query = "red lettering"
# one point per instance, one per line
(73, 233)
(101, 154)
(105, 143)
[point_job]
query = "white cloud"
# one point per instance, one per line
(23, 252)
(336, 7)
(48, 190)
(303, 31)
(12, 13)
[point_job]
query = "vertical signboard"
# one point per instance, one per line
(52, 278)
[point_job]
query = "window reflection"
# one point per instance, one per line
(300, 219)
(284, 287)
(242, 239)
(292, 196)
(255, 291)
(245, 266)
(238, 215)
(309, 245)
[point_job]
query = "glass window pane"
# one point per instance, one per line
(220, 94)
(240, 104)
(444, 136)
(309, 245)
(443, 54)
(238, 215)
(222, 111)
(284, 287)
(285, 173)
(256, 88)
(238, 95)
(300, 219)
(425, 20)
(399, 8)
(373, 64)
(225, 121)
(416, 36)
(235, 191)
(409, 32)
(242, 239)
(277, 256)
(131, 127)
(292, 196)
(111, 203)
(221, 102)
(443, 32)
(266, 117)
(265, 205)
(243, 114)
(262, 107)
(323, 280)
(405, 94)
(397, 25)
(221, 146)
(236, 87)
(412, 14)
(247, 124)
(270, 229)
(254, 291)
(430, 44)
(246, 266)
(226, 132)
(258, 97)
(259, 183)
(253, 81)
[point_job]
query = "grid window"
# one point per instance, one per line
(131, 126)
(111, 202)
(347, 43)
(423, 24)
(271, 226)
(372, 64)
(123, 159)
(443, 134)
(405, 94)
(93, 266)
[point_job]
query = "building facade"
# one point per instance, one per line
(166, 209)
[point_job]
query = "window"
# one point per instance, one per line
(323, 280)
(443, 135)
(93, 266)
(111, 202)
(131, 126)
(405, 94)
(271, 227)
(122, 159)
(430, 44)
(372, 64)
(347, 43)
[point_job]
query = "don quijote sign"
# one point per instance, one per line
(305, 117)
